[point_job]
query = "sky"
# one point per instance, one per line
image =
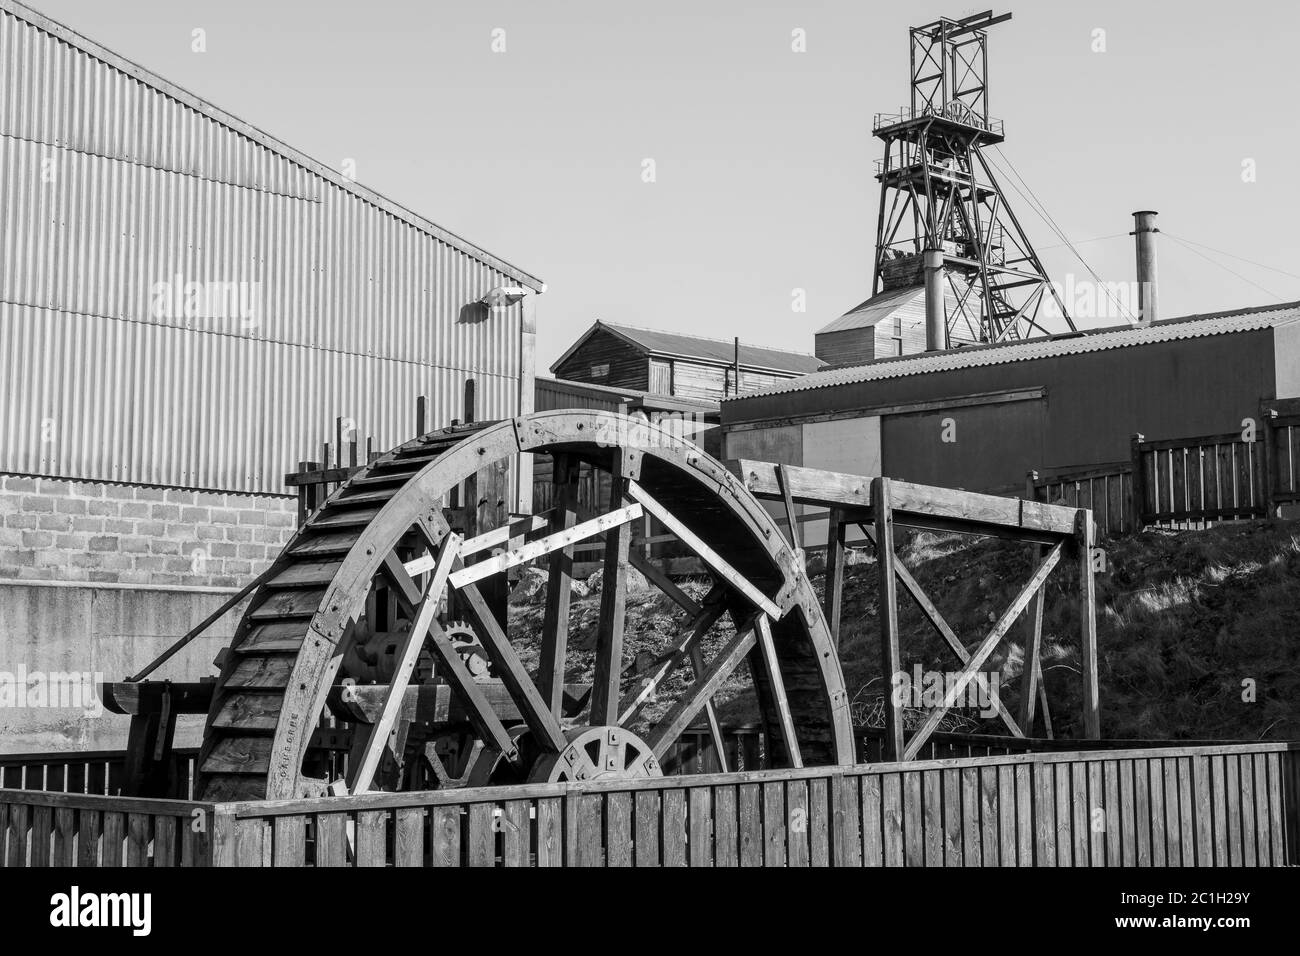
(762, 155)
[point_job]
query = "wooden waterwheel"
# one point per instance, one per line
(386, 530)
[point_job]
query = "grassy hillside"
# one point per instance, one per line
(1183, 619)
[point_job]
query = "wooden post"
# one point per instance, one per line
(1088, 626)
(1032, 673)
(559, 584)
(834, 598)
(890, 655)
(1268, 436)
(1137, 485)
(613, 604)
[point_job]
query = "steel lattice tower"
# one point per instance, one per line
(939, 194)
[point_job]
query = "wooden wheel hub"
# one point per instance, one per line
(598, 752)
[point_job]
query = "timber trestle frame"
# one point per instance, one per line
(878, 506)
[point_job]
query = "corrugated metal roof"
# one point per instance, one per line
(713, 350)
(557, 390)
(878, 307)
(1187, 327)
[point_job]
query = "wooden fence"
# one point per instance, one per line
(1188, 482)
(1221, 805)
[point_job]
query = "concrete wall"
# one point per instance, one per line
(98, 578)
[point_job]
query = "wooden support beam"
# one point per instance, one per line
(937, 621)
(481, 714)
(713, 609)
(680, 715)
(710, 712)
(605, 687)
(1033, 650)
(604, 524)
(363, 771)
(706, 554)
(791, 519)
(656, 576)
(784, 720)
(890, 654)
(484, 542)
(535, 711)
(835, 554)
(958, 687)
(1088, 627)
(565, 471)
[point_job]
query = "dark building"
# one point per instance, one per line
(672, 364)
(980, 417)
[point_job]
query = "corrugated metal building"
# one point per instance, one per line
(186, 301)
(186, 304)
(677, 365)
(980, 417)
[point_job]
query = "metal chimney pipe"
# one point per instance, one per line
(1144, 228)
(936, 326)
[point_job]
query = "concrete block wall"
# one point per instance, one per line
(97, 579)
(57, 530)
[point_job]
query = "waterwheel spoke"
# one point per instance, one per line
(713, 609)
(559, 585)
(534, 710)
(613, 608)
(408, 653)
(680, 715)
(785, 721)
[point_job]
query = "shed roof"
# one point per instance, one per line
(1073, 343)
(677, 344)
(878, 307)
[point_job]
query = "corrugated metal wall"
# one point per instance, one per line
(117, 193)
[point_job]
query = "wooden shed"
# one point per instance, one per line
(677, 365)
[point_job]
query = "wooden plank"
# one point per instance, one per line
(774, 825)
(1064, 837)
(1044, 778)
(647, 828)
(137, 839)
(674, 828)
(250, 842)
(986, 782)
(1156, 794)
(819, 823)
(700, 822)
(1219, 795)
(65, 836)
(1276, 809)
(726, 845)
(612, 524)
(114, 835)
(892, 819)
(41, 837)
(618, 829)
(289, 840)
(1088, 627)
(372, 838)
(331, 839)
(444, 835)
(1186, 811)
(481, 835)
(1247, 785)
(89, 832)
(1007, 843)
(1102, 818)
(952, 818)
(1142, 814)
(872, 817)
(706, 554)
(750, 802)
(516, 833)
(932, 817)
(797, 824)
(914, 828)
(1127, 818)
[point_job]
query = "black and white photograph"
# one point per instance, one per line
(595, 434)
